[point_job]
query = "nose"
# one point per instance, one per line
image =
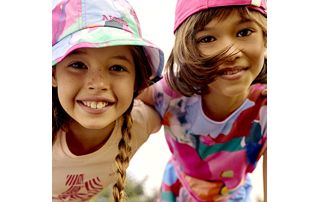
(233, 52)
(98, 80)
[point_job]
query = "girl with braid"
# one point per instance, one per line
(100, 64)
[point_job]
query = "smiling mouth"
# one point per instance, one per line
(230, 71)
(95, 105)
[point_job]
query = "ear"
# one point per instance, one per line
(54, 80)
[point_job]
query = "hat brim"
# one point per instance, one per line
(98, 37)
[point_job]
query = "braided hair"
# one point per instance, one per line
(143, 73)
(123, 157)
(142, 80)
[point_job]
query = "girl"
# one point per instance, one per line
(213, 113)
(100, 64)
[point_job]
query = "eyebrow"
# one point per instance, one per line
(77, 51)
(239, 22)
(122, 57)
(244, 20)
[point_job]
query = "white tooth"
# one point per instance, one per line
(100, 105)
(93, 105)
(232, 72)
(86, 103)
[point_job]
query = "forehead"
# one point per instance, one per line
(201, 19)
(236, 15)
(112, 52)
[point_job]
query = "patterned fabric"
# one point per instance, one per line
(99, 23)
(89, 177)
(210, 159)
(172, 189)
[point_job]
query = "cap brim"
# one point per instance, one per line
(104, 37)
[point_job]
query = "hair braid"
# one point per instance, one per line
(123, 157)
(143, 75)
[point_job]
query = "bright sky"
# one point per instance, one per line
(156, 20)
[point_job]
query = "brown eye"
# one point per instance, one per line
(77, 65)
(206, 39)
(118, 68)
(244, 32)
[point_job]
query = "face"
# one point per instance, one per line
(247, 49)
(95, 85)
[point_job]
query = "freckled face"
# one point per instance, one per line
(95, 85)
(248, 49)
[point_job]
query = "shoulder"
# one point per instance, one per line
(142, 112)
(145, 122)
(162, 87)
(145, 119)
(260, 104)
(255, 94)
(58, 143)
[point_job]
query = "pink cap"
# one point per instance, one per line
(186, 8)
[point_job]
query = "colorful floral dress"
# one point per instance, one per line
(210, 159)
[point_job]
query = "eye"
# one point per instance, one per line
(77, 65)
(206, 39)
(118, 68)
(244, 32)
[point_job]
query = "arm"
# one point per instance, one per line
(265, 176)
(147, 96)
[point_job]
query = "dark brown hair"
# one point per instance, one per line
(187, 70)
(142, 80)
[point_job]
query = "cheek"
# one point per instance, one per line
(63, 97)
(125, 89)
(66, 95)
(260, 59)
(257, 54)
(125, 97)
(207, 50)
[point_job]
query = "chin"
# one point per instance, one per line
(94, 126)
(235, 91)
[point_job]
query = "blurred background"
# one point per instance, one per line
(147, 165)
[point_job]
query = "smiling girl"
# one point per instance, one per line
(99, 66)
(211, 102)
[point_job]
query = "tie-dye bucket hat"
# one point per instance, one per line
(99, 23)
(186, 8)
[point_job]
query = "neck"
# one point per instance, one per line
(83, 141)
(218, 107)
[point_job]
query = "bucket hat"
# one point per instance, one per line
(99, 23)
(186, 8)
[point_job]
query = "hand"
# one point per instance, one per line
(264, 92)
